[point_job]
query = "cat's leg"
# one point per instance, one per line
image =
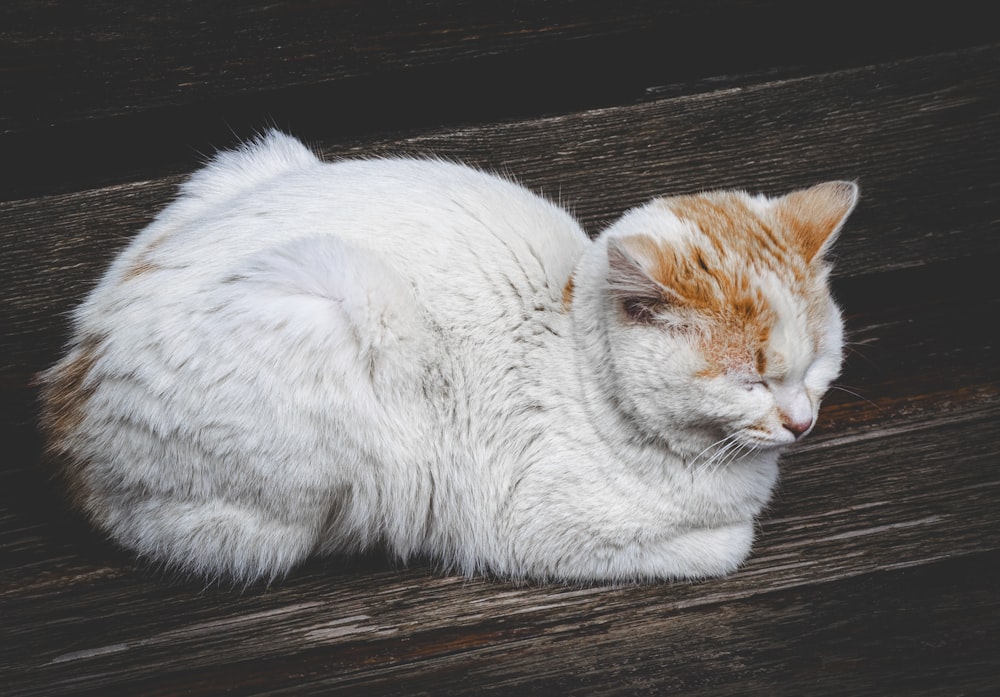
(360, 351)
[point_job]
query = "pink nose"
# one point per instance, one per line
(796, 426)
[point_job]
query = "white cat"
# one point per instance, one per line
(298, 357)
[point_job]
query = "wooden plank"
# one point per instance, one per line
(64, 61)
(929, 496)
(899, 633)
(97, 94)
(897, 128)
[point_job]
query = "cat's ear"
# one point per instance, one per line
(814, 216)
(634, 263)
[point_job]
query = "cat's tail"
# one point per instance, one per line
(233, 172)
(216, 540)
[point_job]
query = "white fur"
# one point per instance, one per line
(325, 357)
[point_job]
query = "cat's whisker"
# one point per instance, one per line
(855, 345)
(853, 350)
(694, 460)
(702, 467)
(723, 445)
(695, 463)
(733, 455)
(718, 456)
(855, 394)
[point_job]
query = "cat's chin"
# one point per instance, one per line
(771, 446)
(767, 444)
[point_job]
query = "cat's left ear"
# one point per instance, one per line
(631, 282)
(814, 216)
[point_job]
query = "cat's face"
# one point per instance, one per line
(720, 321)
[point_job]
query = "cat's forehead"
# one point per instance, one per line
(728, 239)
(726, 220)
(735, 235)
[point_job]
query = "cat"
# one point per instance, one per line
(298, 357)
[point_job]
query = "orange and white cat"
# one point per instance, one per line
(298, 357)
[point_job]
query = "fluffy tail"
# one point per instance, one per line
(234, 171)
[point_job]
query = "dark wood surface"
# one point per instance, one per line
(877, 569)
(107, 92)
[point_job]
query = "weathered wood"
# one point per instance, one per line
(891, 634)
(101, 94)
(376, 627)
(884, 125)
(64, 61)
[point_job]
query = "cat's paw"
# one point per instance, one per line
(705, 552)
(693, 554)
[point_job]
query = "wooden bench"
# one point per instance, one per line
(877, 569)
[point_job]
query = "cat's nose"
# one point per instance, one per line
(798, 426)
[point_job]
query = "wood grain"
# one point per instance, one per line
(884, 125)
(98, 94)
(64, 61)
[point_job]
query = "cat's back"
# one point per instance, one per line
(442, 226)
(278, 280)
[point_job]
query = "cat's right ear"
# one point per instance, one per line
(815, 216)
(633, 264)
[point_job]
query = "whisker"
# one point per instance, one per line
(718, 456)
(694, 464)
(853, 350)
(854, 341)
(718, 442)
(861, 342)
(855, 394)
(741, 451)
(721, 462)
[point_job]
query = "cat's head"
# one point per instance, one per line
(715, 317)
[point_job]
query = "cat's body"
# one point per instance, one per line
(301, 357)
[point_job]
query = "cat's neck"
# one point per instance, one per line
(595, 372)
(609, 425)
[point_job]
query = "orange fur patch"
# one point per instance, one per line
(567, 294)
(735, 229)
(712, 283)
(64, 395)
(144, 263)
(737, 238)
(139, 269)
